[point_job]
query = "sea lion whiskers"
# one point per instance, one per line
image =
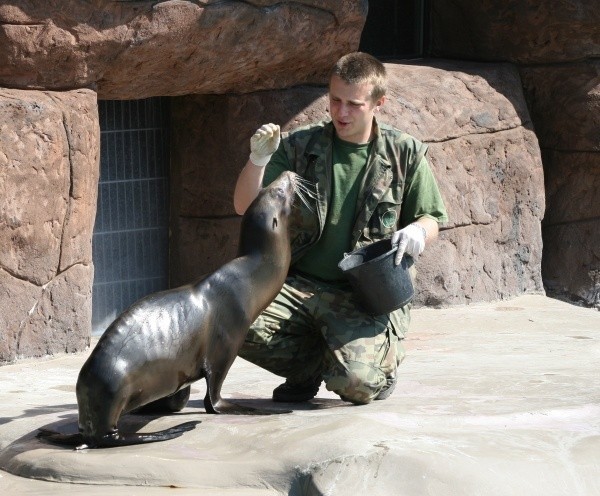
(305, 182)
(303, 189)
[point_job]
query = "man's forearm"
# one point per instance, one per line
(430, 226)
(263, 144)
(248, 184)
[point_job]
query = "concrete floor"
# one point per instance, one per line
(492, 399)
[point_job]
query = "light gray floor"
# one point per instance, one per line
(492, 399)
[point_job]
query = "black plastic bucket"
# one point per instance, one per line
(380, 286)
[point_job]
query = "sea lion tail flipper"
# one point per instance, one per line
(115, 439)
(128, 439)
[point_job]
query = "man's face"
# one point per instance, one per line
(352, 109)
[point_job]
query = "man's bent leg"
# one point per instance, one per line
(282, 339)
(364, 351)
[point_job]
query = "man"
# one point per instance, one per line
(372, 182)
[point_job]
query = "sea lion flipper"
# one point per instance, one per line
(127, 439)
(186, 426)
(116, 438)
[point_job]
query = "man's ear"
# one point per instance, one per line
(380, 102)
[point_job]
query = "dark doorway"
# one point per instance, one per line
(396, 29)
(131, 233)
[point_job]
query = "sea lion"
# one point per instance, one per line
(164, 342)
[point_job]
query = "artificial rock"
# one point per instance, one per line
(482, 148)
(49, 156)
(138, 49)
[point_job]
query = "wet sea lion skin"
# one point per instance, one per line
(168, 340)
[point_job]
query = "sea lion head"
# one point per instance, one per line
(265, 225)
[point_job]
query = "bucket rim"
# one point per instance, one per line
(378, 258)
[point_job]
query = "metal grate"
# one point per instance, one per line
(131, 233)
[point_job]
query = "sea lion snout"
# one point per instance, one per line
(284, 190)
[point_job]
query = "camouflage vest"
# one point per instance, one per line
(393, 157)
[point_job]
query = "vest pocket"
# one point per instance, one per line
(384, 221)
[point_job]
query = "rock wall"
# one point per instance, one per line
(482, 145)
(565, 102)
(210, 146)
(49, 154)
(131, 49)
(119, 49)
(482, 148)
(524, 31)
(556, 46)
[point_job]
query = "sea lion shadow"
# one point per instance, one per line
(266, 404)
(40, 410)
(262, 406)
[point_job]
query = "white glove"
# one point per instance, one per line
(264, 143)
(410, 240)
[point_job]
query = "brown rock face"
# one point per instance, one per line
(565, 104)
(482, 146)
(482, 149)
(49, 140)
(522, 31)
(557, 45)
(210, 145)
(48, 180)
(138, 49)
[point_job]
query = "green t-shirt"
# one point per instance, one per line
(421, 198)
(321, 259)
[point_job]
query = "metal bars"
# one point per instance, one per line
(131, 233)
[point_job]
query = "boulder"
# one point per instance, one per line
(49, 152)
(138, 49)
(522, 31)
(482, 149)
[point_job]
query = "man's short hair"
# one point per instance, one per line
(360, 67)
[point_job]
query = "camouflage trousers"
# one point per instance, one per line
(314, 330)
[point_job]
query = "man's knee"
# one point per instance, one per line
(358, 384)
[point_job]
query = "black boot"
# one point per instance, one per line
(293, 392)
(388, 389)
